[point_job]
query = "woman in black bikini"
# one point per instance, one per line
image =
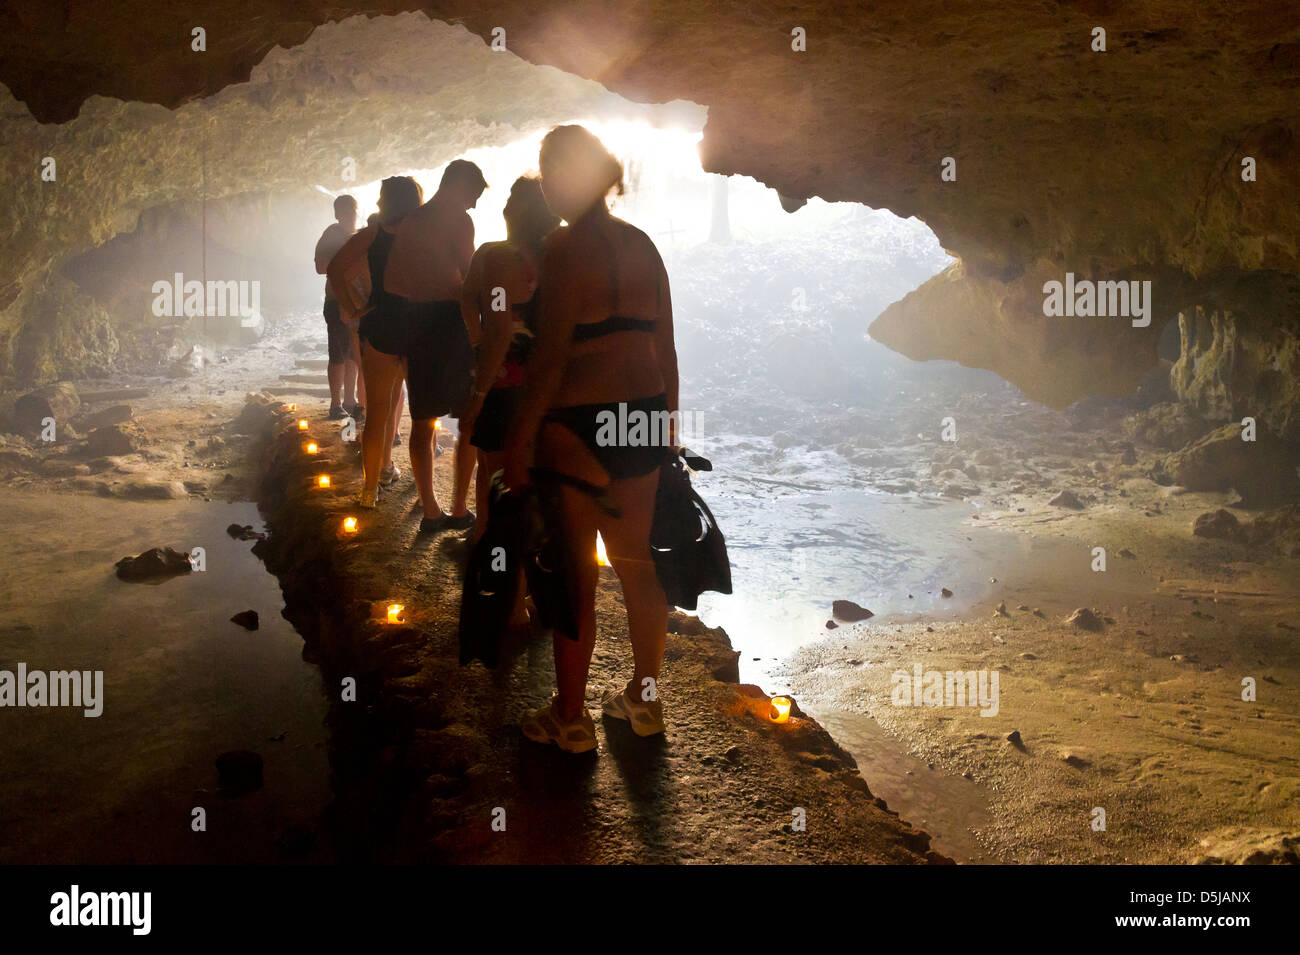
(382, 331)
(605, 339)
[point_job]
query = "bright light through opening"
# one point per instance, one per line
(667, 193)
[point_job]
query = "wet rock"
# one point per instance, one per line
(239, 771)
(1075, 760)
(1217, 525)
(850, 612)
(154, 490)
(1067, 498)
(115, 440)
(244, 532)
(1001, 610)
(1261, 471)
(732, 755)
(1014, 738)
(246, 619)
(945, 592)
(1028, 656)
(832, 625)
(1085, 619)
(116, 414)
(58, 401)
(153, 564)
(1127, 554)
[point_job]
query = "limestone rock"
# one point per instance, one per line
(1261, 471)
(1218, 525)
(114, 440)
(58, 401)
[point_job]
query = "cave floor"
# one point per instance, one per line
(1143, 718)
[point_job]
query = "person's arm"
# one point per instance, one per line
(666, 348)
(343, 265)
(464, 245)
(322, 253)
(561, 306)
(469, 297)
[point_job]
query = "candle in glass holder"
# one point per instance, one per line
(312, 448)
(395, 613)
(323, 481)
(780, 711)
(349, 525)
(302, 424)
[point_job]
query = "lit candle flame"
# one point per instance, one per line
(602, 559)
(395, 613)
(780, 712)
(323, 480)
(302, 424)
(311, 447)
(349, 525)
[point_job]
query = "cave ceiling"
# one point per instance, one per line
(1122, 164)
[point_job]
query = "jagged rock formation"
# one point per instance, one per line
(1120, 164)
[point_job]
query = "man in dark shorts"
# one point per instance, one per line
(342, 362)
(430, 257)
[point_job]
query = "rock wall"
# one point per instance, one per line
(1126, 162)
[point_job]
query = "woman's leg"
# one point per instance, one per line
(421, 448)
(390, 428)
(627, 542)
(381, 370)
(356, 359)
(560, 448)
(465, 460)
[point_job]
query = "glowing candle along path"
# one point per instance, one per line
(323, 481)
(302, 424)
(349, 525)
(395, 613)
(602, 559)
(311, 447)
(780, 712)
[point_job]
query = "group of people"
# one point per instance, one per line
(528, 342)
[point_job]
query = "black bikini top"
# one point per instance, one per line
(614, 323)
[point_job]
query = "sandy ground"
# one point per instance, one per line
(1143, 718)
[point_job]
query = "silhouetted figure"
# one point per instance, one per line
(382, 327)
(499, 304)
(605, 346)
(342, 366)
(430, 258)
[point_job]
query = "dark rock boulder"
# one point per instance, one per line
(58, 401)
(154, 564)
(1217, 525)
(850, 612)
